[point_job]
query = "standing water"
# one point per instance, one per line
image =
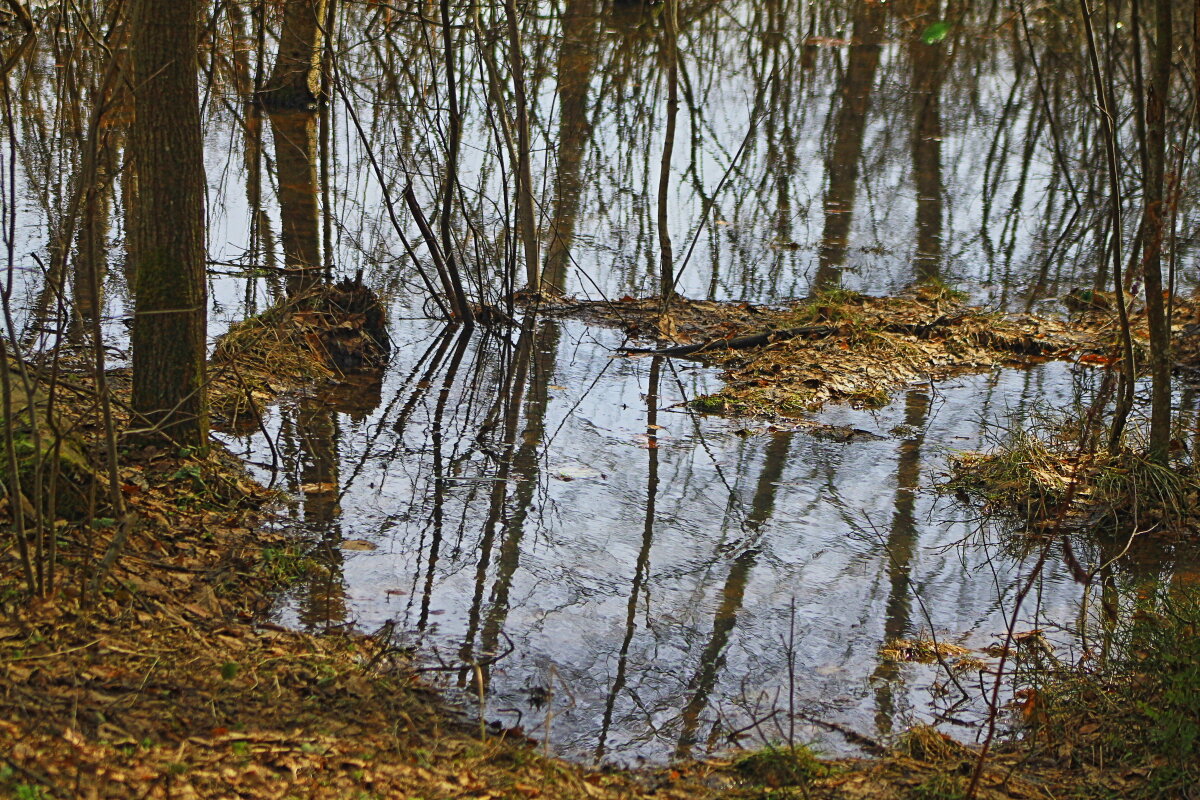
(630, 579)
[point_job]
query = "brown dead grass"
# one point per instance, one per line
(304, 341)
(875, 345)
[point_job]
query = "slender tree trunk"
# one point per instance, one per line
(670, 46)
(1104, 106)
(1155, 176)
(169, 336)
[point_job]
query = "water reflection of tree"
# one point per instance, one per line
(842, 163)
(642, 565)
(712, 659)
(321, 595)
(928, 70)
(900, 546)
(577, 59)
(528, 395)
(295, 135)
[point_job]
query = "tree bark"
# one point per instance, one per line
(1155, 176)
(170, 312)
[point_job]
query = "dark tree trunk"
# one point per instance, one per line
(1154, 227)
(169, 335)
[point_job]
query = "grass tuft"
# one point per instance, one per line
(1040, 475)
(1137, 713)
(773, 767)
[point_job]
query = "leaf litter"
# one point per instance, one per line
(782, 362)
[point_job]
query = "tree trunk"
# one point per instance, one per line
(1155, 176)
(169, 336)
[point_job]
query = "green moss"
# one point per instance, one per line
(782, 766)
(709, 403)
(44, 453)
(940, 786)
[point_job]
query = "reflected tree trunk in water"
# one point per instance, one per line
(437, 425)
(576, 64)
(842, 164)
(712, 659)
(927, 63)
(525, 465)
(322, 599)
(642, 567)
(91, 258)
(779, 133)
(291, 95)
(900, 547)
(295, 134)
(666, 258)
(295, 80)
(515, 391)
(262, 242)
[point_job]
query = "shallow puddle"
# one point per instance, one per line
(645, 581)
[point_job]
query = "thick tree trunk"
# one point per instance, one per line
(169, 336)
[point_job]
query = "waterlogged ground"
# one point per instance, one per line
(654, 580)
(632, 580)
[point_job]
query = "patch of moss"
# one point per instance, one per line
(45, 452)
(782, 766)
(940, 786)
(709, 403)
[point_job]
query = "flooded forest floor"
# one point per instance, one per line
(783, 362)
(162, 679)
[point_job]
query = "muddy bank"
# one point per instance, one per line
(164, 680)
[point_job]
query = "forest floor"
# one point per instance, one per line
(167, 680)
